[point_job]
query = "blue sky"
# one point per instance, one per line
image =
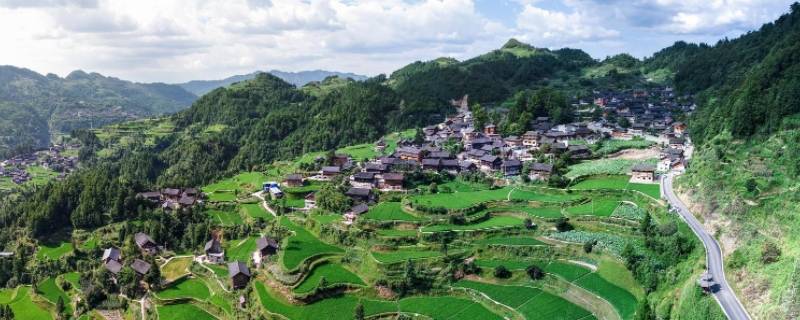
(174, 40)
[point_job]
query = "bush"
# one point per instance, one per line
(534, 272)
(562, 224)
(770, 252)
(588, 246)
(502, 272)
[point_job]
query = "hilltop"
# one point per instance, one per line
(299, 79)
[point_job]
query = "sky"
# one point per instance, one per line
(175, 41)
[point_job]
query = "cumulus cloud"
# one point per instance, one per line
(550, 27)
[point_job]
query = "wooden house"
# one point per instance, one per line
(214, 251)
(146, 244)
(392, 181)
(293, 180)
(239, 274)
(541, 171)
(643, 173)
(140, 267)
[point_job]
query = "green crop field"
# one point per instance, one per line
(538, 212)
(603, 166)
(186, 288)
(360, 151)
(446, 308)
(566, 270)
(222, 196)
(333, 273)
(334, 308)
(460, 200)
(596, 207)
(498, 222)
(6, 295)
(53, 252)
(511, 264)
(243, 182)
(617, 182)
(176, 267)
(220, 271)
(183, 311)
(389, 211)
(623, 301)
(225, 218)
(51, 291)
(327, 218)
(512, 296)
(25, 309)
(400, 255)
(611, 146)
(512, 241)
(302, 245)
(240, 250)
(73, 278)
(392, 233)
(532, 303)
(255, 210)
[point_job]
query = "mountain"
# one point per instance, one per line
(34, 106)
(299, 79)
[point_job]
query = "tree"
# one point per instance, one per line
(60, 305)
(534, 272)
(644, 312)
(433, 187)
(479, 117)
(562, 224)
(588, 246)
(358, 314)
(502, 272)
(332, 199)
(419, 136)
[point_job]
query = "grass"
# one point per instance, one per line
(53, 252)
(389, 211)
(25, 309)
(623, 301)
(243, 182)
(327, 218)
(497, 222)
(183, 311)
(460, 200)
(186, 288)
(333, 308)
(176, 268)
(531, 302)
(614, 145)
(511, 241)
(334, 274)
(73, 278)
(596, 207)
(52, 292)
(392, 233)
(566, 270)
(403, 254)
(617, 182)
(603, 166)
(446, 308)
(222, 196)
(538, 212)
(302, 246)
(218, 270)
(6, 295)
(240, 250)
(511, 264)
(360, 151)
(226, 219)
(255, 210)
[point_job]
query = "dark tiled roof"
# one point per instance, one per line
(140, 266)
(213, 246)
(331, 169)
(393, 176)
(111, 253)
(546, 167)
(511, 163)
(294, 177)
(171, 192)
(264, 242)
(643, 167)
(143, 239)
(237, 267)
(360, 192)
(113, 266)
(364, 176)
(359, 209)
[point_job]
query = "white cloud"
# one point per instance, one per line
(556, 28)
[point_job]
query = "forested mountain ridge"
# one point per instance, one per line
(33, 106)
(301, 78)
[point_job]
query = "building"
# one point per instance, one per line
(140, 267)
(239, 274)
(330, 171)
(511, 167)
(214, 252)
(265, 247)
(490, 162)
(365, 180)
(392, 181)
(359, 194)
(145, 243)
(540, 171)
(490, 129)
(357, 210)
(643, 173)
(432, 164)
(113, 266)
(409, 153)
(310, 201)
(293, 180)
(111, 254)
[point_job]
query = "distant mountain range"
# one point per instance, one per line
(299, 79)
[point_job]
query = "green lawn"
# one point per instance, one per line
(302, 245)
(186, 288)
(25, 309)
(53, 252)
(51, 291)
(389, 211)
(498, 222)
(403, 254)
(240, 249)
(334, 274)
(532, 303)
(255, 210)
(225, 218)
(333, 308)
(183, 311)
(511, 241)
(447, 308)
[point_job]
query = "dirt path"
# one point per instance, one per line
(264, 205)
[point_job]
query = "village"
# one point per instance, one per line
(18, 169)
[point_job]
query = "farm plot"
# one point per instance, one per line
(6, 295)
(53, 252)
(538, 212)
(395, 233)
(389, 211)
(617, 182)
(240, 250)
(255, 211)
(566, 270)
(601, 207)
(623, 301)
(603, 166)
(243, 182)
(461, 200)
(511, 264)
(403, 254)
(360, 151)
(327, 218)
(613, 243)
(183, 311)
(446, 308)
(74, 278)
(186, 288)
(302, 246)
(334, 274)
(498, 222)
(52, 292)
(511, 241)
(25, 309)
(532, 303)
(334, 308)
(611, 146)
(225, 218)
(176, 268)
(221, 196)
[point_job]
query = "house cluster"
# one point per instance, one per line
(16, 167)
(112, 258)
(173, 199)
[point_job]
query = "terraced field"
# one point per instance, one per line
(240, 250)
(460, 200)
(498, 222)
(446, 308)
(623, 301)
(183, 311)
(176, 267)
(333, 273)
(334, 308)
(617, 182)
(531, 303)
(52, 292)
(255, 210)
(390, 211)
(186, 288)
(401, 255)
(302, 245)
(225, 218)
(25, 309)
(511, 241)
(53, 252)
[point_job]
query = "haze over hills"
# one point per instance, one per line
(299, 79)
(34, 106)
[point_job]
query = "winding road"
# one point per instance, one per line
(723, 293)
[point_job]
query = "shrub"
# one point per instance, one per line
(534, 272)
(589, 245)
(502, 272)
(770, 252)
(562, 224)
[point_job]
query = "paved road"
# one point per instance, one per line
(723, 293)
